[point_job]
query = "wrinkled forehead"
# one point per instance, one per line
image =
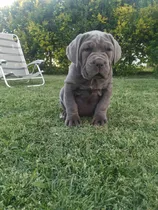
(96, 41)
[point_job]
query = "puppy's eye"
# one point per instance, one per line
(88, 49)
(108, 49)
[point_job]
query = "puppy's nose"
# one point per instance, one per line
(99, 63)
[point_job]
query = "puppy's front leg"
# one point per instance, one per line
(100, 117)
(72, 116)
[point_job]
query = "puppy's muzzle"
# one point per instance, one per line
(98, 63)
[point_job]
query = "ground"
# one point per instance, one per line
(45, 165)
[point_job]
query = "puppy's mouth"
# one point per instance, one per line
(98, 76)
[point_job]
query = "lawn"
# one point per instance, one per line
(47, 166)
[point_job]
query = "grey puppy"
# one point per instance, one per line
(88, 85)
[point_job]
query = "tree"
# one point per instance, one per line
(46, 27)
(4, 19)
(138, 33)
(147, 31)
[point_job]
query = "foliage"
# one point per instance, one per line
(46, 27)
(45, 165)
(138, 34)
(125, 25)
(147, 30)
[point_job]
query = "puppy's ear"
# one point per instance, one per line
(72, 51)
(117, 49)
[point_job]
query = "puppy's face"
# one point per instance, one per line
(96, 56)
(94, 52)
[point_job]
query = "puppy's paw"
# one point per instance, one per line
(99, 119)
(73, 120)
(62, 115)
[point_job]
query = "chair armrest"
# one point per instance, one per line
(2, 61)
(36, 62)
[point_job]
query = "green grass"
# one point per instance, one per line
(47, 166)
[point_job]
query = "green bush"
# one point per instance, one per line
(156, 71)
(122, 69)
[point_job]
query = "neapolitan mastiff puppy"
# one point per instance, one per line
(88, 85)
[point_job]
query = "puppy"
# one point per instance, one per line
(88, 85)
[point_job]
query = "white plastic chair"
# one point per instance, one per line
(12, 62)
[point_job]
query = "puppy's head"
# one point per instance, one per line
(94, 52)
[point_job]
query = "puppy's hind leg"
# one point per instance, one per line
(63, 112)
(63, 109)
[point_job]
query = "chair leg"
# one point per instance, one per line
(5, 80)
(43, 80)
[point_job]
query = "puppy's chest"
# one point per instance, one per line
(90, 90)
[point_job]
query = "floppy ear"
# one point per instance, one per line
(72, 51)
(117, 49)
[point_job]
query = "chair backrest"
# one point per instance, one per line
(10, 50)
